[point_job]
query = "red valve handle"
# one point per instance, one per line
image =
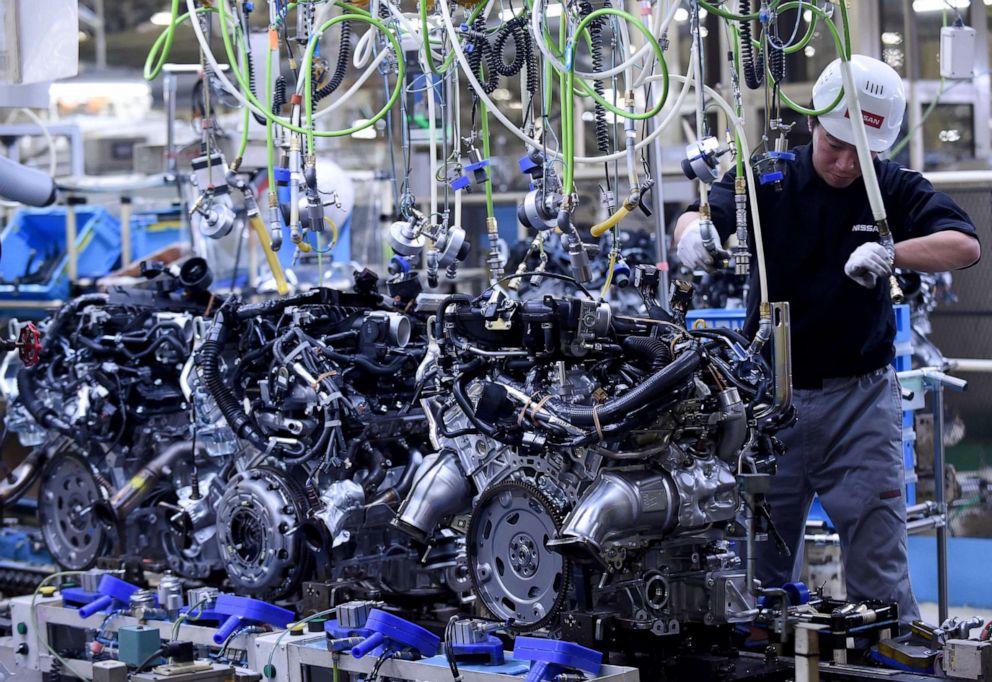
(29, 345)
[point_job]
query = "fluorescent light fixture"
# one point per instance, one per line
(891, 38)
(84, 90)
(923, 6)
(365, 133)
(161, 18)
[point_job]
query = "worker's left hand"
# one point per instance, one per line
(868, 262)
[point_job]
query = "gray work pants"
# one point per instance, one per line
(847, 449)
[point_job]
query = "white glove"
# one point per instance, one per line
(691, 251)
(868, 262)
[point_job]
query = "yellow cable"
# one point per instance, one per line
(270, 256)
(611, 222)
(609, 271)
(334, 232)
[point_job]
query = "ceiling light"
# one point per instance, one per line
(891, 38)
(161, 18)
(922, 6)
(681, 15)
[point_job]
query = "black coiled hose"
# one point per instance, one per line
(599, 111)
(776, 63)
(344, 55)
(753, 65)
(481, 53)
(279, 97)
(511, 29)
(251, 86)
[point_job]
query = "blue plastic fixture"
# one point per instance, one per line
(396, 633)
(112, 589)
(242, 611)
(549, 657)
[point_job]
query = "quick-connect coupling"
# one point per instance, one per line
(742, 256)
(764, 329)
(275, 222)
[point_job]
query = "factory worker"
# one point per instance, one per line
(823, 256)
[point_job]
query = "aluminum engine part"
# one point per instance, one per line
(707, 492)
(338, 499)
(619, 505)
(440, 488)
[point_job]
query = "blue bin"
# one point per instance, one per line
(36, 238)
(152, 231)
(728, 318)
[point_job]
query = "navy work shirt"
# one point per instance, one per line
(809, 229)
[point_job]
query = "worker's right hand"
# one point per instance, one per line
(868, 263)
(691, 250)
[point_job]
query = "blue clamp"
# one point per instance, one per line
(549, 658)
(479, 169)
(77, 596)
(621, 274)
(528, 165)
(489, 652)
(242, 610)
(399, 265)
(798, 593)
(335, 631)
(769, 178)
(461, 182)
(398, 633)
(113, 589)
(282, 175)
(782, 156)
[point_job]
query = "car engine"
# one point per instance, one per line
(599, 459)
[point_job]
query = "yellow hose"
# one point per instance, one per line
(608, 224)
(270, 256)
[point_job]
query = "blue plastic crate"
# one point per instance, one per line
(152, 231)
(728, 318)
(36, 238)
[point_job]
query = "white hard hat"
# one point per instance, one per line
(880, 92)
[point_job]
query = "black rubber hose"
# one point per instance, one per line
(44, 415)
(652, 389)
(208, 360)
(366, 364)
(277, 305)
(649, 348)
(376, 472)
(344, 56)
(753, 65)
(442, 309)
